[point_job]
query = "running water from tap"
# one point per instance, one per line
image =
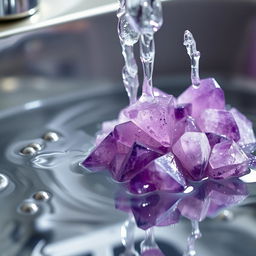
(128, 38)
(146, 18)
(194, 54)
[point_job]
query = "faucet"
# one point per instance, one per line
(28, 15)
(16, 9)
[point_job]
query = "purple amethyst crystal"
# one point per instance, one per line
(182, 110)
(207, 95)
(148, 209)
(100, 158)
(214, 138)
(155, 117)
(128, 133)
(194, 207)
(227, 160)
(211, 196)
(225, 194)
(193, 151)
(245, 128)
(187, 124)
(162, 174)
(125, 152)
(220, 122)
(133, 163)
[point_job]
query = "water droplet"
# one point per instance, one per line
(51, 136)
(35, 146)
(29, 151)
(4, 182)
(226, 215)
(28, 208)
(41, 196)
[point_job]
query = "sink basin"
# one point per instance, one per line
(59, 79)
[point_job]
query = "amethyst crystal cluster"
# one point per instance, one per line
(165, 144)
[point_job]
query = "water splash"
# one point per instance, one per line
(128, 38)
(195, 234)
(127, 235)
(148, 246)
(190, 44)
(146, 17)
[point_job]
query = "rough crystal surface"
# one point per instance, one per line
(207, 95)
(227, 160)
(193, 151)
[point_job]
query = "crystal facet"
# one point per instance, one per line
(220, 122)
(193, 151)
(227, 160)
(207, 95)
(245, 128)
(162, 174)
(154, 117)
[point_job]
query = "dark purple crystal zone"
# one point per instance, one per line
(164, 208)
(165, 144)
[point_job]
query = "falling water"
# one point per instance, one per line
(190, 44)
(127, 235)
(128, 37)
(195, 234)
(146, 18)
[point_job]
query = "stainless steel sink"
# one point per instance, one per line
(67, 78)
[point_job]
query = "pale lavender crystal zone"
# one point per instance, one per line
(220, 122)
(227, 160)
(207, 95)
(154, 117)
(193, 151)
(245, 128)
(226, 193)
